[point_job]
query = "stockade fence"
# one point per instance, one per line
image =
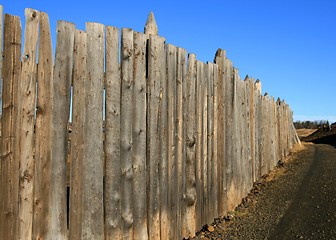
(161, 143)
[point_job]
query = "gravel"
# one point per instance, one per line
(297, 200)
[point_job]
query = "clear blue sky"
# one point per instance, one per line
(289, 45)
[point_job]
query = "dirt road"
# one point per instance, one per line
(296, 201)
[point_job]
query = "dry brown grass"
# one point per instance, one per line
(304, 132)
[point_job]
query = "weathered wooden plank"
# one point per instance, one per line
(258, 139)
(273, 130)
(43, 131)
(264, 134)
(127, 84)
(189, 216)
(230, 137)
(180, 137)
(155, 53)
(163, 165)
(216, 177)
(1, 60)
(251, 106)
(112, 137)
(26, 122)
(210, 127)
(59, 121)
(204, 161)
(93, 213)
(238, 143)
(139, 138)
(173, 203)
(9, 207)
(219, 149)
(251, 90)
(199, 141)
(78, 136)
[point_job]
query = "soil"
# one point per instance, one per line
(297, 200)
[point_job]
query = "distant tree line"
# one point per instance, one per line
(312, 124)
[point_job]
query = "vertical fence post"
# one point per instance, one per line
(9, 207)
(59, 128)
(127, 84)
(26, 122)
(139, 138)
(204, 160)
(43, 131)
(93, 214)
(219, 126)
(78, 136)
(228, 132)
(173, 204)
(189, 216)
(163, 162)
(199, 130)
(180, 132)
(210, 142)
(1, 60)
(215, 109)
(155, 54)
(112, 137)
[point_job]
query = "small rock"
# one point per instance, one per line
(211, 228)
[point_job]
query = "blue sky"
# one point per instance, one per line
(289, 45)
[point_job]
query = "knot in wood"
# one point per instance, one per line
(191, 141)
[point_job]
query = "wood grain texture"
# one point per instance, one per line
(78, 136)
(93, 171)
(127, 85)
(59, 130)
(112, 137)
(173, 196)
(155, 54)
(43, 146)
(189, 216)
(9, 207)
(26, 123)
(139, 132)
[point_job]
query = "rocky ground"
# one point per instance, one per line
(297, 200)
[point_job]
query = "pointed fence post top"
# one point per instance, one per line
(151, 27)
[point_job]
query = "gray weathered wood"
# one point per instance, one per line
(163, 163)
(219, 149)
(43, 132)
(127, 84)
(26, 122)
(112, 137)
(189, 216)
(258, 138)
(9, 207)
(216, 175)
(155, 53)
(1, 60)
(210, 143)
(180, 137)
(78, 136)
(139, 138)
(59, 121)
(199, 143)
(204, 161)
(93, 213)
(171, 62)
(151, 27)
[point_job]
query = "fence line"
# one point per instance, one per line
(159, 143)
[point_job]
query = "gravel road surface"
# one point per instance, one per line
(297, 200)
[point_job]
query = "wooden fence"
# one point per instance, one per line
(161, 143)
